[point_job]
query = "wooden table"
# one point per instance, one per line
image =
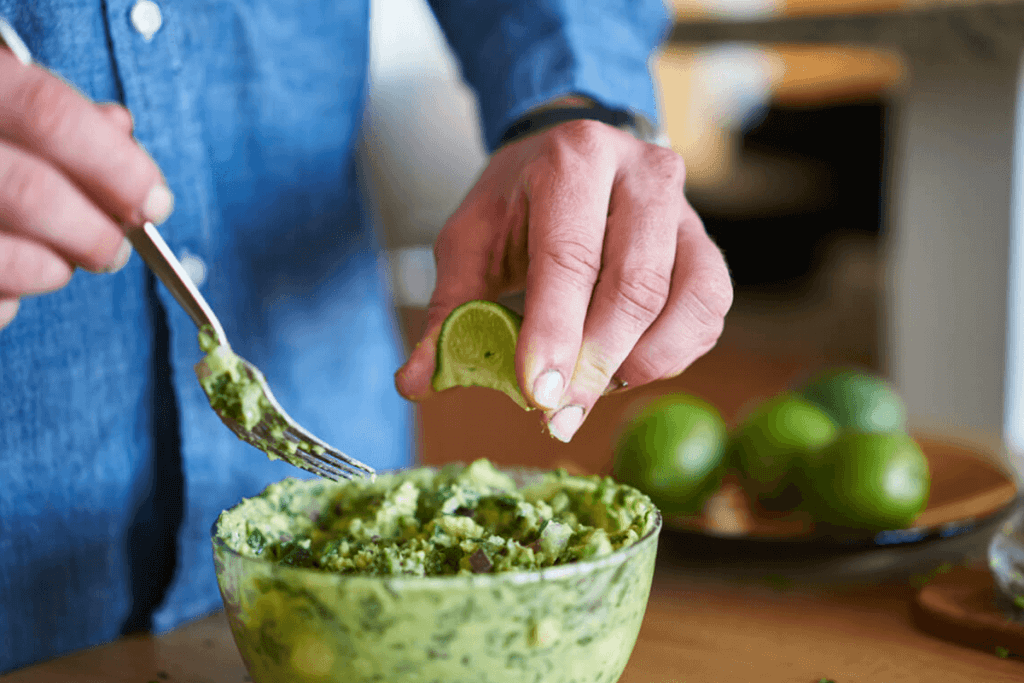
(720, 611)
(738, 623)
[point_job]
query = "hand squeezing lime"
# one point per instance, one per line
(477, 348)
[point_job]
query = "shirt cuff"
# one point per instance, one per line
(539, 50)
(575, 107)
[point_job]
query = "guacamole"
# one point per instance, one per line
(459, 520)
(232, 392)
(235, 393)
(450, 576)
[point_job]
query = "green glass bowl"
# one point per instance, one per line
(565, 624)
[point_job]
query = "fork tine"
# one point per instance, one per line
(314, 460)
(279, 435)
(335, 469)
(339, 463)
(309, 467)
(331, 456)
(336, 463)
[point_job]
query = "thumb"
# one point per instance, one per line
(461, 277)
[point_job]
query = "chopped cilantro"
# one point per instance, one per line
(922, 580)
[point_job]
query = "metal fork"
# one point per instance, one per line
(276, 433)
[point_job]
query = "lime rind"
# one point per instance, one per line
(477, 348)
(782, 435)
(858, 400)
(673, 450)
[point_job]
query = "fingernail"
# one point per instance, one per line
(158, 205)
(8, 309)
(123, 254)
(565, 423)
(547, 389)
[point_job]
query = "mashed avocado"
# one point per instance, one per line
(459, 520)
(419, 577)
(238, 398)
(231, 391)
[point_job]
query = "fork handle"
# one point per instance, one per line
(161, 260)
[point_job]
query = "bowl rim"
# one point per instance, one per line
(516, 577)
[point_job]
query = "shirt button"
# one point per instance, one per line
(194, 267)
(146, 18)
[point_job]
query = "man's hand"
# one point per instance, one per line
(623, 285)
(70, 175)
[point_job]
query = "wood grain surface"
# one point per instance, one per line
(687, 10)
(696, 630)
(960, 605)
(719, 612)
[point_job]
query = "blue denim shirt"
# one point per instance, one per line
(112, 465)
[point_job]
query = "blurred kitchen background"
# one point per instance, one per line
(790, 155)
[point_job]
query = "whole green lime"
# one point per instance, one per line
(871, 481)
(673, 450)
(781, 436)
(858, 400)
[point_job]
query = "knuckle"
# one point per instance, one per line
(10, 268)
(655, 363)
(557, 159)
(707, 307)
(641, 294)
(30, 192)
(666, 166)
(593, 373)
(707, 294)
(26, 268)
(572, 258)
(27, 187)
(570, 144)
(130, 162)
(46, 107)
(584, 134)
(443, 244)
(648, 368)
(716, 293)
(666, 360)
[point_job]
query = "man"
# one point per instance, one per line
(245, 116)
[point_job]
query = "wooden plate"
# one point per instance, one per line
(967, 487)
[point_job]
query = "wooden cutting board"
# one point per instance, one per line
(960, 606)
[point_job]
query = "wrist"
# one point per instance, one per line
(572, 108)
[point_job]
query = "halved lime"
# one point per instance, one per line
(477, 348)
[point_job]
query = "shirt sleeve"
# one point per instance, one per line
(519, 54)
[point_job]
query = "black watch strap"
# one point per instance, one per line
(546, 118)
